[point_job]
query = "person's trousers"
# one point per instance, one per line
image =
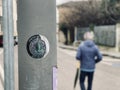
(83, 75)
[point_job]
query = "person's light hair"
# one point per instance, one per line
(89, 36)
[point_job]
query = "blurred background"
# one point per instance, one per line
(73, 19)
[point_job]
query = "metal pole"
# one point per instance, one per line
(7, 26)
(5, 39)
(11, 43)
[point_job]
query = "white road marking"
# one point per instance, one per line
(107, 63)
(69, 52)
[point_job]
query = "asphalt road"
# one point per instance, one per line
(107, 74)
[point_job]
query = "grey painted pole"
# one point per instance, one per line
(8, 44)
(37, 44)
(75, 35)
(11, 43)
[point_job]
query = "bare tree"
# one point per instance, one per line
(87, 13)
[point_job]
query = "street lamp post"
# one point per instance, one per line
(37, 44)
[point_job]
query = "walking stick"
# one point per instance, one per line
(76, 78)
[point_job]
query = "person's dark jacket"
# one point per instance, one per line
(88, 54)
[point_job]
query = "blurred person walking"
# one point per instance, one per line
(87, 56)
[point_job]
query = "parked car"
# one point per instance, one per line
(15, 40)
(1, 40)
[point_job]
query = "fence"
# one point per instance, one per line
(107, 37)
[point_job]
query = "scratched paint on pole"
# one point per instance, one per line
(54, 78)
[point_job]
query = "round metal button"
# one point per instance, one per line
(37, 46)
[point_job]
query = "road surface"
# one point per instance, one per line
(107, 75)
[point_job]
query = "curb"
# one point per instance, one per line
(113, 55)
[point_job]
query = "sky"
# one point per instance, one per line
(64, 1)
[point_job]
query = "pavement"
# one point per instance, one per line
(104, 53)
